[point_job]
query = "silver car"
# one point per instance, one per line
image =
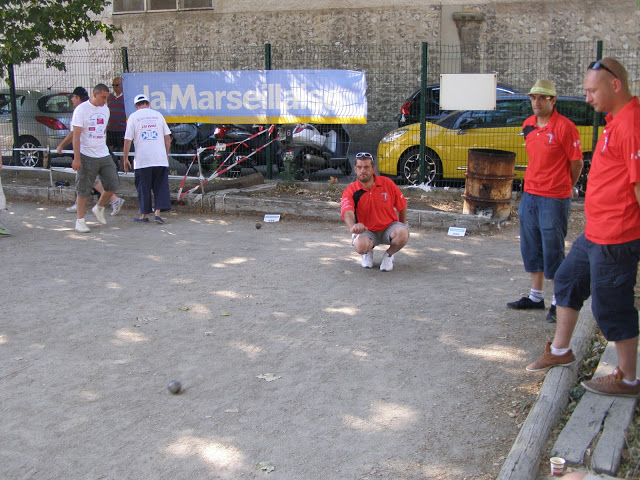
(44, 119)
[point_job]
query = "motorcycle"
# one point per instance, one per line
(230, 147)
(246, 145)
(316, 147)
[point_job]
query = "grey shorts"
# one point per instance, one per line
(92, 167)
(381, 237)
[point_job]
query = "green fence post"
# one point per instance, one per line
(125, 59)
(423, 108)
(14, 115)
(596, 116)
(267, 66)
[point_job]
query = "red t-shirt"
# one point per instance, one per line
(376, 208)
(611, 207)
(551, 149)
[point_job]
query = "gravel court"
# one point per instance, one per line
(415, 373)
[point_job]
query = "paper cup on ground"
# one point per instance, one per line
(557, 465)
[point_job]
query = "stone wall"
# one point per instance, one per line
(616, 22)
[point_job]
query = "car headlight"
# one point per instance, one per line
(393, 136)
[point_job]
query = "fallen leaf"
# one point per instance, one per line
(269, 377)
(225, 314)
(184, 309)
(265, 467)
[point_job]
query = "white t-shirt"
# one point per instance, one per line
(93, 120)
(147, 128)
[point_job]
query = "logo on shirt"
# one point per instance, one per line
(384, 194)
(550, 135)
(149, 135)
(606, 141)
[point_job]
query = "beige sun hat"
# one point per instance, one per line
(543, 87)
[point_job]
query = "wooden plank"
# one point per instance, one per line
(606, 457)
(582, 428)
(524, 458)
(586, 420)
(596, 413)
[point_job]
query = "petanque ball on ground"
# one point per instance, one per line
(174, 386)
(258, 225)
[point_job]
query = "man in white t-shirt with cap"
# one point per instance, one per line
(150, 134)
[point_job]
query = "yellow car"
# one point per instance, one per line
(447, 142)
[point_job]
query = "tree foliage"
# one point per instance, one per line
(30, 28)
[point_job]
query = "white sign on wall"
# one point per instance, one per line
(468, 91)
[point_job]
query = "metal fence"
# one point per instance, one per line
(394, 77)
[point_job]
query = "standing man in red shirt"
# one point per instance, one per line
(375, 212)
(603, 262)
(555, 163)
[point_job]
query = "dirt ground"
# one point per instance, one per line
(296, 363)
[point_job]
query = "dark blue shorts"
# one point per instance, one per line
(608, 274)
(543, 228)
(156, 180)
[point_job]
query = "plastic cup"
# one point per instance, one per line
(557, 465)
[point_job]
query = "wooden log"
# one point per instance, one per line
(524, 458)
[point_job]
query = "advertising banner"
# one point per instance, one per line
(253, 96)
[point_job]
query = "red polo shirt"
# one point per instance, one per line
(551, 149)
(377, 208)
(611, 207)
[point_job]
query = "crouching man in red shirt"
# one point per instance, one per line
(375, 212)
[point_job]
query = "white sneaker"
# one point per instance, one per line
(367, 259)
(73, 208)
(81, 226)
(387, 263)
(99, 213)
(115, 207)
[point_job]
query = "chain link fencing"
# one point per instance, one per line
(394, 74)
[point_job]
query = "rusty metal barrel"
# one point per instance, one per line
(489, 184)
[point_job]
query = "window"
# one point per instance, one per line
(57, 103)
(5, 103)
(132, 6)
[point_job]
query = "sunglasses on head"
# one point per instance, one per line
(364, 155)
(597, 66)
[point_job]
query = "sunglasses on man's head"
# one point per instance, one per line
(597, 66)
(364, 155)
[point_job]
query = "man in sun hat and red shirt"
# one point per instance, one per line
(603, 262)
(375, 212)
(555, 163)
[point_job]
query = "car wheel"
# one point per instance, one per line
(30, 158)
(409, 167)
(584, 175)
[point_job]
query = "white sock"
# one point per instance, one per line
(559, 351)
(553, 300)
(633, 384)
(536, 295)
